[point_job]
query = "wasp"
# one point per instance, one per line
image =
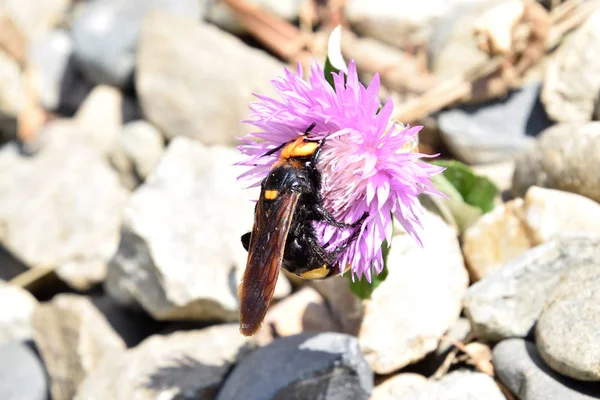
(283, 234)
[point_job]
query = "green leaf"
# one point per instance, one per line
(475, 190)
(362, 288)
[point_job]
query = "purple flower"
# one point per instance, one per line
(366, 162)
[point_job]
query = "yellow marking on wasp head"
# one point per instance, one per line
(299, 148)
(271, 194)
(316, 273)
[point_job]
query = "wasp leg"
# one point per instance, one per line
(246, 240)
(330, 219)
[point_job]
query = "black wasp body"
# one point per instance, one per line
(283, 234)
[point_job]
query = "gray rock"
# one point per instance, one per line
(195, 80)
(457, 385)
(509, 302)
(220, 14)
(566, 157)
(139, 149)
(22, 374)
(400, 23)
(568, 331)
(35, 18)
(12, 95)
(572, 79)
(57, 82)
(495, 131)
(72, 222)
(15, 316)
(105, 35)
(73, 337)
(392, 337)
(346, 308)
(519, 366)
(305, 366)
(183, 365)
(180, 255)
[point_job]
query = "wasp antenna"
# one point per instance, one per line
(310, 128)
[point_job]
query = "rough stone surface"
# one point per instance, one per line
(500, 173)
(509, 302)
(548, 213)
(497, 237)
(572, 79)
(397, 386)
(495, 131)
(305, 366)
(34, 18)
(73, 337)
(16, 313)
(565, 157)
(457, 385)
(182, 365)
(105, 35)
(397, 22)
(303, 311)
(568, 331)
(519, 366)
(22, 374)
(196, 69)
(72, 221)
(139, 149)
(411, 308)
(180, 255)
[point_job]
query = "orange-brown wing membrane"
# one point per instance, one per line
(265, 255)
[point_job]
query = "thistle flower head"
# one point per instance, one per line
(366, 161)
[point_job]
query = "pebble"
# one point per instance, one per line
(60, 87)
(513, 227)
(139, 149)
(347, 309)
(12, 95)
(106, 32)
(398, 386)
(180, 255)
(22, 374)
(568, 331)
(15, 316)
(73, 338)
(35, 18)
(457, 385)
(565, 157)
(572, 79)
(303, 311)
(394, 334)
(509, 302)
(496, 131)
(195, 80)
(72, 222)
(182, 365)
(496, 238)
(326, 366)
(518, 365)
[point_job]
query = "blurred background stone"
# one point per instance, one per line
(186, 365)
(105, 35)
(15, 318)
(197, 70)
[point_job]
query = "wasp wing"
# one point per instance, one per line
(265, 255)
